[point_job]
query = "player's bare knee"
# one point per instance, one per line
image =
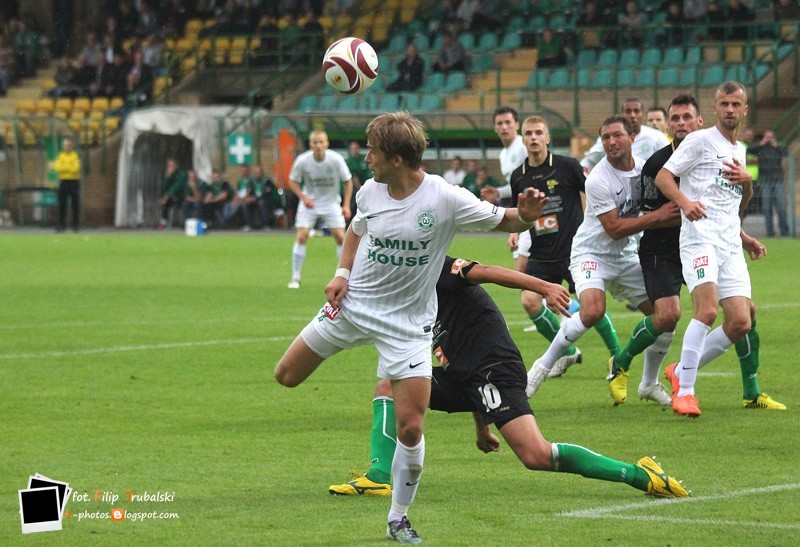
(410, 434)
(736, 328)
(591, 316)
(285, 377)
(706, 316)
(383, 388)
(537, 458)
(531, 302)
(666, 319)
(752, 311)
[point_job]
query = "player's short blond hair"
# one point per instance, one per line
(398, 134)
(536, 119)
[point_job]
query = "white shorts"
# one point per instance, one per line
(524, 244)
(624, 281)
(330, 332)
(706, 263)
(331, 216)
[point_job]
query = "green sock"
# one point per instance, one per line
(747, 350)
(382, 440)
(644, 334)
(571, 458)
(605, 329)
(547, 325)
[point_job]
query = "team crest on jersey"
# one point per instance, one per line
(589, 265)
(426, 221)
(551, 185)
(700, 262)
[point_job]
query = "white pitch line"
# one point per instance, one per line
(77, 324)
(606, 511)
(148, 347)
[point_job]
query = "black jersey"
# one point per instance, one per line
(562, 180)
(470, 331)
(658, 241)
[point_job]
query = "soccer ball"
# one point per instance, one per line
(350, 65)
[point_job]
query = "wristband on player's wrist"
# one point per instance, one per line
(342, 272)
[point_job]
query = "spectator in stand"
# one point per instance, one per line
(90, 49)
(786, 10)
(62, 18)
(152, 51)
(674, 25)
(27, 46)
(64, 78)
(740, 17)
(591, 16)
(770, 178)
(411, 69)
(455, 175)
(485, 180)
(218, 193)
(67, 166)
(465, 13)
(290, 36)
(139, 79)
(173, 190)
(312, 36)
(267, 52)
(452, 56)
(490, 16)
(85, 76)
(717, 24)
(443, 18)
(109, 47)
(127, 19)
(241, 202)
(632, 23)
(269, 198)
(470, 177)
(174, 15)
(147, 21)
(248, 16)
(7, 65)
(550, 50)
(193, 200)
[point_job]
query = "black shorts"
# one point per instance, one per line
(552, 272)
(663, 276)
(498, 401)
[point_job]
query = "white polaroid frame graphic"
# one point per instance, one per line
(46, 516)
(38, 481)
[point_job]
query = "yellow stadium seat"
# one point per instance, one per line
(193, 26)
(239, 43)
(77, 114)
(45, 106)
(64, 103)
(97, 115)
(100, 103)
(255, 42)
(169, 43)
(117, 102)
(63, 114)
(111, 123)
(81, 103)
(26, 107)
(184, 45)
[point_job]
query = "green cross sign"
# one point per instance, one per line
(240, 149)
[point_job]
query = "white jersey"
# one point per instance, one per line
(511, 157)
(608, 189)
(321, 179)
(454, 178)
(646, 143)
(698, 161)
(393, 279)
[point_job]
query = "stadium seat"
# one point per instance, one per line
(693, 56)
(456, 81)
(607, 58)
(119, 102)
(536, 24)
(587, 58)
(467, 39)
(625, 77)
(646, 77)
(26, 107)
(601, 79)
(559, 22)
(584, 77)
(668, 76)
(424, 44)
(511, 41)
(389, 102)
(349, 102)
(410, 101)
(559, 79)
(713, 75)
(688, 76)
(368, 103)
(45, 106)
(327, 102)
(64, 103)
(98, 103)
(538, 78)
(673, 56)
(81, 104)
(651, 57)
(629, 57)
(482, 63)
(487, 42)
(762, 69)
(435, 82)
(308, 102)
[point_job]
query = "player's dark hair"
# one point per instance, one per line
(506, 110)
(617, 119)
(657, 109)
(630, 100)
(731, 87)
(685, 99)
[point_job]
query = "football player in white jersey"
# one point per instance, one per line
(714, 190)
(320, 171)
(383, 292)
(603, 256)
(647, 140)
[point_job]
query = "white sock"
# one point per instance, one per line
(693, 341)
(654, 356)
(406, 471)
(571, 329)
(717, 343)
(338, 251)
(298, 257)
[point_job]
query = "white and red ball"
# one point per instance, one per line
(350, 65)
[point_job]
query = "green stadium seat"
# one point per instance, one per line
(602, 79)
(434, 83)
(369, 102)
(559, 22)
(423, 43)
(456, 81)
(673, 56)
(584, 77)
(651, 57)
(512, 40)
(327, 102)
(762, 69)
(389, 102)
(713, 75)
(629, 57)
(488, 42)
(587, 58)
(515, 24)
(538, 78)
(467, 39)
(668, 76)
(559, 79)
(482, 63)
(646, 77)
(693, 56)
(436, 45)
(738, 73)
(397, 44)
(688, 76)
(308, 102)
(536, 24)
(410, 101)
(430, 101)
(348, 102)
(625, 77)
(607, 58)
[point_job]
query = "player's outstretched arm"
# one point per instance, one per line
(557, 296)
(665, 181)
(337, 288)
(618, 228)
(530, 205)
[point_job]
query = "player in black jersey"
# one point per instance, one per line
(561, 178)
(481, 371)
(659, 255)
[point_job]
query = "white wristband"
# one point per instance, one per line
(342, 272)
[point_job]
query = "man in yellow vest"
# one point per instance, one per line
(67, 166)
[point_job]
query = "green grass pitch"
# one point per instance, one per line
(143, 361)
